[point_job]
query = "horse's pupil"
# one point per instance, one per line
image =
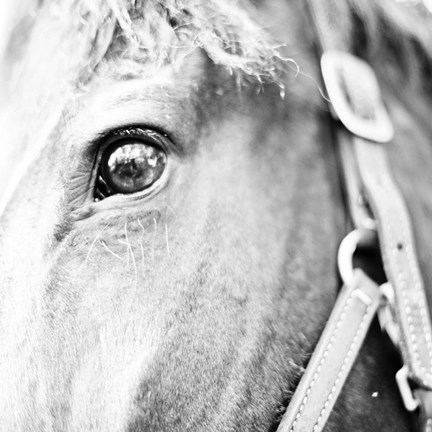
(132, 166)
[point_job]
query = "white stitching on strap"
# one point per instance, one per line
(417, 286)
(324, 358)
(350, 353)
(376, 194)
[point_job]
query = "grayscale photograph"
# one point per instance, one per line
(215, 215)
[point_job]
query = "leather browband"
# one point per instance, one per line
(377, 208)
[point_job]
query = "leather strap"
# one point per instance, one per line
(370, 182)
(360, 214)
(425, 410)
(333, 357)
(331, 18)
(400, 261)
(356, 102)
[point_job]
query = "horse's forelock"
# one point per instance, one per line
(158, 32)
(152, 32)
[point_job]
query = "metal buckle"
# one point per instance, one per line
(347, 248)
(409, 400)
(355, 96)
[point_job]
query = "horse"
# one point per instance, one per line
(187, 291)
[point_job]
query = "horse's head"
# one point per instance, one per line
(169, 233)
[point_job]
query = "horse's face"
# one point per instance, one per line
(177, 307)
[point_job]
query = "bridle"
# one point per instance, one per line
(380, 218)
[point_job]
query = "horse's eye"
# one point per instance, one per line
(129, 165)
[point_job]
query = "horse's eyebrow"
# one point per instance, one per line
(130, 103)
(166, 90)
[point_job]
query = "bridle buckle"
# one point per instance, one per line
(410, 402)
(349, 245)
(366, 238)
(355, 96)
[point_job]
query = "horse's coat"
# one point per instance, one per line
(195, 308)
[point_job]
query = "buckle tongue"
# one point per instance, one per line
(386, 314)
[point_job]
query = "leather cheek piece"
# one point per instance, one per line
(333, 357)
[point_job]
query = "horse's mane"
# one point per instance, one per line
(156, 32)
(397, 36)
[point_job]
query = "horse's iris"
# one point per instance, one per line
(129, 166)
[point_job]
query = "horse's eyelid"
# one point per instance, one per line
(145, 131)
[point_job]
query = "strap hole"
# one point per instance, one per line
(399, 246)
